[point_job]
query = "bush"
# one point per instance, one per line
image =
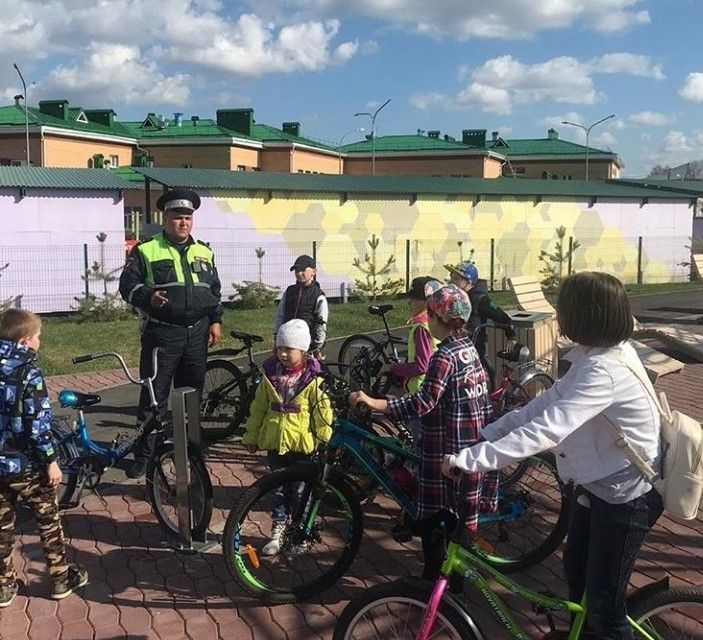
(254, 295)
(102, 309)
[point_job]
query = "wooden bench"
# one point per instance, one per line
(530, 297)
(697, 259)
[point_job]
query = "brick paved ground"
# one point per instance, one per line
(142, 590)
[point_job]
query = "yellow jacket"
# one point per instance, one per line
(299, 425)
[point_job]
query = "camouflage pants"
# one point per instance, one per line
(33, 488)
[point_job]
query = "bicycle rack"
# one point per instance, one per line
(186, 428)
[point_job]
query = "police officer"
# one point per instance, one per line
(172, 280)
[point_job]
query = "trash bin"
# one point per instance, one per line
(536, 330)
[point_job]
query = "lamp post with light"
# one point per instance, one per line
(339, 146)
(588, 133)
(373, 133)
(26, 112)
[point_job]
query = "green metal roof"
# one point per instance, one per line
(48, 178)
(221, 179)
(391, 144)
(13, 116)
(204, 128)
(544, 147)
(266, 133)
(130, 174)
(690, 186)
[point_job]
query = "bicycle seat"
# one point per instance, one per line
(519, 353)
(77, 400)
(247, 338)
(380, 309)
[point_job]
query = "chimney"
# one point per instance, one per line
(194, 120)
(56, 108)
(239, 120)
(18, 97)
(494, 135)
(100, 116)
(178, 118)
(291, 128)
(433, 134)
(474, 137)
(553, 134)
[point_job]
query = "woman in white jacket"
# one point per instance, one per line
(616, 507)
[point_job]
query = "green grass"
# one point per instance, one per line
(64, 338)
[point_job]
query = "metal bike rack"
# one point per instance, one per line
(185, 405)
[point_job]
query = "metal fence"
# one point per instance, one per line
(49, 278)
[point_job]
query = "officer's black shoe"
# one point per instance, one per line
(138, 468)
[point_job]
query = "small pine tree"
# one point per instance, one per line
(556, 262)
(377, 281)
(12, 301)
(255, 295)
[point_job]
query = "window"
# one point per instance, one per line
(519, 171)
(186, 166)
(114, 161)
(241, 167)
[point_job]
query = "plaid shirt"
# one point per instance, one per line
(454, 405)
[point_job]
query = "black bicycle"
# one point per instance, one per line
(228, 390)
(361, 356)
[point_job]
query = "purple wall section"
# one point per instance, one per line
(42, 242)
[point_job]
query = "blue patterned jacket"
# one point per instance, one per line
(25, 411)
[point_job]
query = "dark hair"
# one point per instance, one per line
(593, 309)
(417, 287)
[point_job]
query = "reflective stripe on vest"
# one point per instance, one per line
(159, 248)
(415, 383)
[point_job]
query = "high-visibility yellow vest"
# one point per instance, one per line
(416, 382)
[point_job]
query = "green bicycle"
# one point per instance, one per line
(414, 609)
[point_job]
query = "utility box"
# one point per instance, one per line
(537, 330)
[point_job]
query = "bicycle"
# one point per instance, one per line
(327, 520)
(413, 609)
(227, 390)
(83, 461)
(361, 357)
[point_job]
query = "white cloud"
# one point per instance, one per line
(465, 19)
(650, 118)
(118, 74)
(201, 33)
(629, 63)
(604, 139)
(676, 142)
(693, 88)
(501, 83)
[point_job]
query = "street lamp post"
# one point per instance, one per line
(373, 133)
(339, 146)
(26, 112)
(588, 133)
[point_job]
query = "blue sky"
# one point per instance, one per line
(515, 66)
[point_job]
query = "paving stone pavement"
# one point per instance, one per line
(142, 590)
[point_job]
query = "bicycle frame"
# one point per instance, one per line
(469, 563)
(349, 436)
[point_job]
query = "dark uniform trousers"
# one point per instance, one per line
(40, 497)
(182, 361)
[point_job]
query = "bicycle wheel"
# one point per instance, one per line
(67, 454)
(161, 483)
(221, 400)
(395, 610)
(311, 558)
(528, 388)
(671, 614)
(531, 519)
(352, 346)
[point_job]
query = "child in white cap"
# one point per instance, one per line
(289, 416)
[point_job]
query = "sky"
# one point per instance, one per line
(517, 67)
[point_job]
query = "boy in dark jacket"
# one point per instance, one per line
(305, 300)
(28, 465)
(465, 276)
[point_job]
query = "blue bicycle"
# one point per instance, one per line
(83, 461)
(325, 524)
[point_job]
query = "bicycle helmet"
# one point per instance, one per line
(466, 270)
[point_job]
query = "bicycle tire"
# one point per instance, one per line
(161, 483)
(67, 452)
(241, 534)
(528, 388)
(346, 354)
(529, 538)
(221, 411)
(667, 610)
(361, 369)
(409, 598)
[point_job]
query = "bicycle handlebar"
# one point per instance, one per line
(113, 354)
